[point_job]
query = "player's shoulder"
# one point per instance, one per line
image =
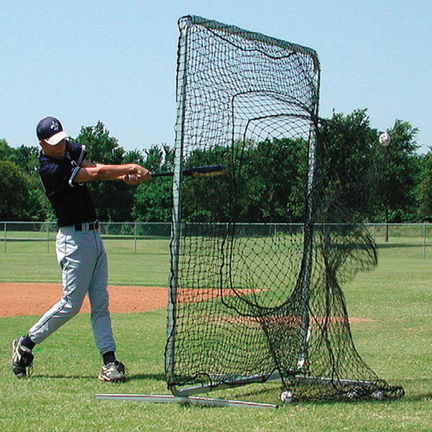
(77, 151)
(48, 167)
(73, 146)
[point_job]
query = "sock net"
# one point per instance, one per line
(257, 261)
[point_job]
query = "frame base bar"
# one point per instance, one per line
(188, 400)
(275, 376)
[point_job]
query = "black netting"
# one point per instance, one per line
(258, 260)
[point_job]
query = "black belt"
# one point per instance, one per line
(91, 226)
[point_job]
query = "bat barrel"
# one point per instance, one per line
(200, 171)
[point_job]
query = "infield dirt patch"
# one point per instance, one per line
(19, 299)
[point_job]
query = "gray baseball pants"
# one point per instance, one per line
(84, 266)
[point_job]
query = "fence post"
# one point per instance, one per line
(424, 241)
(47, 233)
(5, 236)
(135, 237)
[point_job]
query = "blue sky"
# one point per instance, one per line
(115, 61)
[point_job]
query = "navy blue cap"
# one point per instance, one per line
(50, 130)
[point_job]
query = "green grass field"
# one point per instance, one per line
(31, 261)
(394, 338)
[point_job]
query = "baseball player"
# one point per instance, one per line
(65, 170)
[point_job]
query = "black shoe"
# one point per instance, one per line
(21, 358)
(114, 372)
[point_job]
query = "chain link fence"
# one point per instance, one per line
(40, 236)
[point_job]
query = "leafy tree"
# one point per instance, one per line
(113, 200)
(6, 152)
(395, 187)
(424, 189)
(153, 201)
(22, 196)
(101, 147)
(273, 178)
(154, 158)
(208, 199)
(134, 156)
(19, 201)
(346, 166)
(27, 158)
(265, 181)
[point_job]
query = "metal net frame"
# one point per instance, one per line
(256, 302)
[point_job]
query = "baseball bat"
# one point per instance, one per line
(199, 171)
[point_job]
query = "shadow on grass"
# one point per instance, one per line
(419, 397)
(398, 245)
(62, 377)
(157, 377)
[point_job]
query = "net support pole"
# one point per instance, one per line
(176, 211)
(308, 247)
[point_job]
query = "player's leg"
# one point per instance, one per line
(112, 370)
(77, 259)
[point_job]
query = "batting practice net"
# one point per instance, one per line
(258, 254)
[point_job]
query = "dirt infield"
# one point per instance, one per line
(19, 299)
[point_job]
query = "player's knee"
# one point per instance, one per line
(72, 308)
(97, 314)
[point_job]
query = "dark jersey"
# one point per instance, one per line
(71, 202)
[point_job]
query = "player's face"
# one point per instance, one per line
(54, 151)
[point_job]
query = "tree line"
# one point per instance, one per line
(379, 184)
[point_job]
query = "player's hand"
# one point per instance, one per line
(143, 174)
(131, 179)
(140, 175)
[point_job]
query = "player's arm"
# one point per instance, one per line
(90, 171)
